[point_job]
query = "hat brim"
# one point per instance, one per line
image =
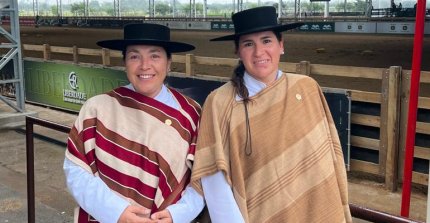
(277, 28)
(121, 44)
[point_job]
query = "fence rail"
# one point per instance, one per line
(29, 134)
(390, 121)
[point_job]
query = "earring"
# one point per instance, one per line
(282, 53)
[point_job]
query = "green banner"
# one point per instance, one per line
(67, 86)
(317, 27)
(222, 26)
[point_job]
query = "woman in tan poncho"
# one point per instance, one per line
(268, 150)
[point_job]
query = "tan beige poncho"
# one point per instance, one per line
(296, 171)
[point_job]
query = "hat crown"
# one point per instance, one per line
(146, 34)
(254, 18)
(146, 31)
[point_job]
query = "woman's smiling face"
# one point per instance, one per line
(146, 68)
(260, 53)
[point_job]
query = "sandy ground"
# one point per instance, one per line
(340, 49)
(361, 50)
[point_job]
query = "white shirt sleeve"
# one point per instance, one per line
(220, 200)
(92, 194)
(188, 207)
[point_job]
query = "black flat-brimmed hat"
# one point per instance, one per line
(146, 34)
(256, 20)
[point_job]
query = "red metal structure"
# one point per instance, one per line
(413, 105)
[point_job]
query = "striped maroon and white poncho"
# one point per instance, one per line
(141, 148)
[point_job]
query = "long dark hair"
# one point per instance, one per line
(243, 92)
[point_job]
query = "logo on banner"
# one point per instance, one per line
(327, 27)
(315, 27)
(74, 96)
(73, 80)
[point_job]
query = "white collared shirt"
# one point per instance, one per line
(253, 85)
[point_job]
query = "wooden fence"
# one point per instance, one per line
(392, 101)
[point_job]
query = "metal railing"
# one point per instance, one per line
(29, 134)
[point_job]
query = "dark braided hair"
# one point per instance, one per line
(243, 92)
(239, 83)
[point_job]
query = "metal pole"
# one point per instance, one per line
(85, 9)
(149, 8)
(153, 7)
(114, 8)
(119, 8)
(279, 9)
(174, 8)
(369, 8)
(205, 9)
(295, 8)
(344, 7)
(326, 9)
(413, 105)
(37, 7)
(61, 9)
(194, 9)
(300, 9)
(17, 58)
(30, 171)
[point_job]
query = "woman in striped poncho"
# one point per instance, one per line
(131, 150)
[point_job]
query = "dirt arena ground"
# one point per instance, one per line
(361, 50)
